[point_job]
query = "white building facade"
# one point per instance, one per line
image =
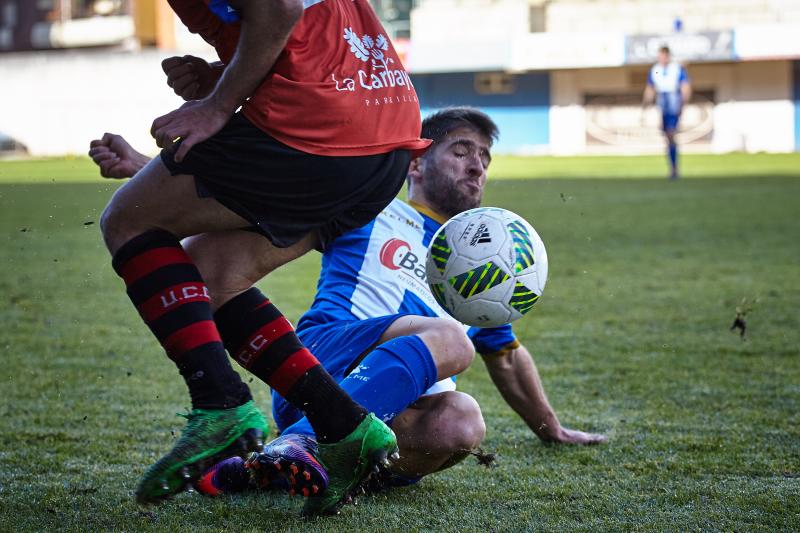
(562, 77)
(589, 59)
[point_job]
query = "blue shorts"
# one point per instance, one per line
(669, 121)
(337, 345)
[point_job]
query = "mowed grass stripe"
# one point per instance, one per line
(80, 169)
(631, 338)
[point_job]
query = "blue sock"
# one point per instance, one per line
(673, 157)
(387, 380)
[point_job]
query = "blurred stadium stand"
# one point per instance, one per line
(559, 76)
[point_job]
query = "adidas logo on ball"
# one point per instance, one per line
(481, 236)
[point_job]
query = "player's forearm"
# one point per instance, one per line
(266, 27)
(516, 377)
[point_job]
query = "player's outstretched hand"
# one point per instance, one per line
(190, 77)
(116, 158)
(192, 123)
(573, 436)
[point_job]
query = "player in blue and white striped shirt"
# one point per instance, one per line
(375, 326)
(668, 85)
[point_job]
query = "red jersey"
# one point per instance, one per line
(337, 88)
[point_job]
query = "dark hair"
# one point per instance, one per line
(664, 48)
(438, 125)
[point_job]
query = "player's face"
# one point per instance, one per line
(454, 174)
(663, 58)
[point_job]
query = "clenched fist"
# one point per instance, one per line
(191, 77)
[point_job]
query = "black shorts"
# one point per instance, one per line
(285, 193)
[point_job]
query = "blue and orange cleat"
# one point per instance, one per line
(226, 477)
(291, 463)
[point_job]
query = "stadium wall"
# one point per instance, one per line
(754, 107)
(744, 106)
(55, 102)
(518, 103)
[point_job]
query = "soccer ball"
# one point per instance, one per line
(486, 266)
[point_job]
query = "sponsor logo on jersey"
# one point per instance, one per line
(391, 251)
(380, 70)
(396, 254)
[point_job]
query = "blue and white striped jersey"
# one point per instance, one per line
(667, 80)
(379, 270)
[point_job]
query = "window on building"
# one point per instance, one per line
(396, 16)
(63, 10)
(494, 83)
(537, 14)
(28, 24)
(95, 8)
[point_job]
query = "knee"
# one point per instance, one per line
(121, 221)
(465, 428)
(451, 348)
(114, 227)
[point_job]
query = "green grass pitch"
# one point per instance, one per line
(631, 338)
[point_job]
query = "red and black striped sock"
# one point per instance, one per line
(260, 339)
(170, 295)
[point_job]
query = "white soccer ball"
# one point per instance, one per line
(486, 266)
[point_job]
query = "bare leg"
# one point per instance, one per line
(230, 259)
(233, 261)
(171, 295)
(436, 432)
(153, 199)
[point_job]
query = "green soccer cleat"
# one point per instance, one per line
(350, 462)
(209, 436)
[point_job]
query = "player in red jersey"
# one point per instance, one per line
(385, 362)
(328, 123)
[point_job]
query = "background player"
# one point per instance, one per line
(668, 85)
(296, 182)
(375, 326)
